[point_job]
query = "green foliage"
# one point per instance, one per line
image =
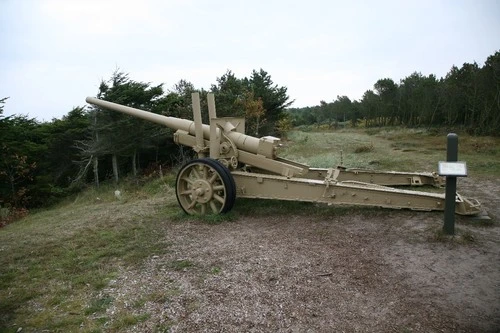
(117, 134)
(43, 162)
(61, 137)
(2, 102)
(274, 98)
(466, 98)
(37, 159)
(338, 114)
(256, 97)
(21, 147)
(228, 91)
(284, 125)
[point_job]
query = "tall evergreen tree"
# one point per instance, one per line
(119, 135)
(244, 98)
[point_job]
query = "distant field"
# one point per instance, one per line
(98, 264)
(391, 149)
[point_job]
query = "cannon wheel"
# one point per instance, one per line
(205, 186)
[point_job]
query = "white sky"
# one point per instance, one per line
(54, 53)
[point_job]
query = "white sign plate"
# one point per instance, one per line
(457, 169)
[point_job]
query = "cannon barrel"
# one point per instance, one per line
(242, 141)
(171, 122)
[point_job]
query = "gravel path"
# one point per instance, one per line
(371, 271)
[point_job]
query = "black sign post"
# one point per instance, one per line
(451, 169)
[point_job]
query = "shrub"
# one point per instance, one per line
(364, 149)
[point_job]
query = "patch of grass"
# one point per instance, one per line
(99, 305)
(128, 319)
(467, 237)
(181, 265)
(364, 149)
(373, 130)
(217, 218)
(55, 260)
(162, 328)
(160, 296)
(215, 270)
(461, 237)
(180, 216)
(163, 185)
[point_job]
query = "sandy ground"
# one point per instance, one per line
(371, 271)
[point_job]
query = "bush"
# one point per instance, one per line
(11, 215)
(364, 149)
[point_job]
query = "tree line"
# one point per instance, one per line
(41, 162)
(466, 98)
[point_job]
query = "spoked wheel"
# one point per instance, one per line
(205, 186)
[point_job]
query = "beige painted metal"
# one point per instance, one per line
(387, 178)
(214, 137)
(198, 125)
(275, 166)
(259, 173)
(262, 186)
(242, 141)
(211, 106)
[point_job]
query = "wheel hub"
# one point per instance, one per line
(202, 191)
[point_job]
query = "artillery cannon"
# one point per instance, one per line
(239, 165)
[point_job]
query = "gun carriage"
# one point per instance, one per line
(231, 164)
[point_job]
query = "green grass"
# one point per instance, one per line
(128, 319)
(98, 305)
(54, 259)
(182, 264)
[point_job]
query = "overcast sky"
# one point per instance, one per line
(54, 53)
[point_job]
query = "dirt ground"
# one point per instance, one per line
(371, 271)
